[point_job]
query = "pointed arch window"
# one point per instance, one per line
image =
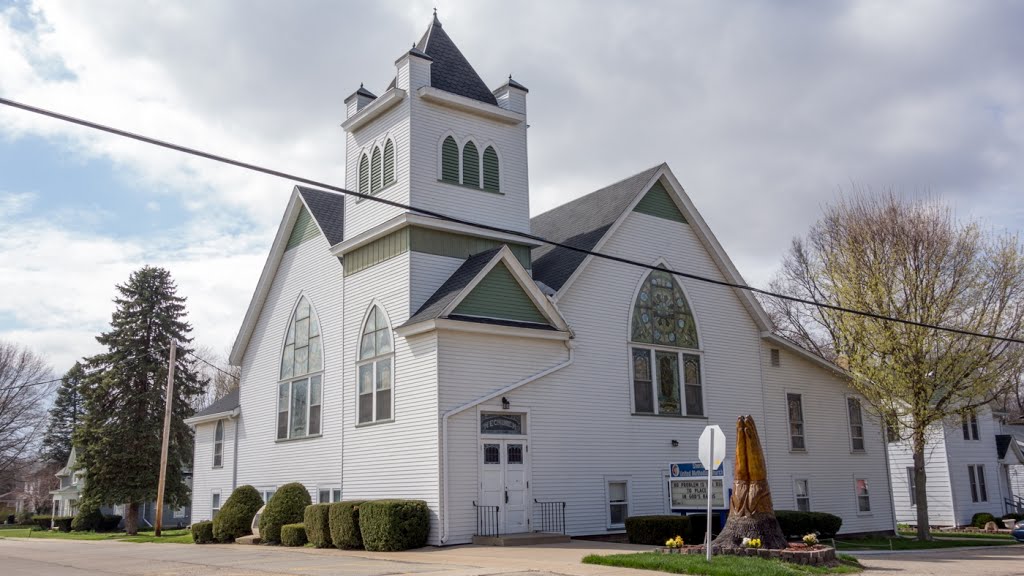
(470, 165)
(667, 380)
(364, 174)
(375, 171)
(375, 369)
(450, 160)
(389, 162)
(218, 445)
(492, 180)
(300, 390)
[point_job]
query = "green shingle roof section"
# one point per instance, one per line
(304, 229)
(657, 202)
(498, 295)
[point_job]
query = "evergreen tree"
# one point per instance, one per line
(64, 416)
(119, 438)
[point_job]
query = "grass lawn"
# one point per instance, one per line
(982, 535)
(881, 543)
(174, 536)
(720, 565)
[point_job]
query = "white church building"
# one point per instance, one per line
(509, 384)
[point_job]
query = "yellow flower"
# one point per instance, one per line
(670, 543)
(679, 540)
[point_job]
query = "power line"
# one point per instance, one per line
(210, 364)
(525, 235)
(29, 384)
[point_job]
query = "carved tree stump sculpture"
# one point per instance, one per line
(750, 510)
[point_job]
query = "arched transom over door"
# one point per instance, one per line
(665, 353)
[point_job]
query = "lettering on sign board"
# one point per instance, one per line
(501, 423)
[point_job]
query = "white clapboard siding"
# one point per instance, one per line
(981, 452)
(309, 270)
(427, 273)
(206, 479)
(940, 500)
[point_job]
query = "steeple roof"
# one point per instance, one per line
(450, 71)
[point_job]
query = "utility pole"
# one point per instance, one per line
(166, 443)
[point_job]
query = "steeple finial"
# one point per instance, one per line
(436, 21)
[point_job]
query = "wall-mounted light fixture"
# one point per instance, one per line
(675, 443)
(505, 403)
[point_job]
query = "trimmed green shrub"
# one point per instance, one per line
(388, 525)
(655, 530)
(43, 521)
(286, 506)
(109, 523)
(235, 517)
(202, 532)
(796, 524)
(88, 518)
(699, 527)
(293, 535)
(63, 523)
(317, 519)
(344, 523)
(981, 518)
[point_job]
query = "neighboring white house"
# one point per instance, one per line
(969, 465)
(390, 354)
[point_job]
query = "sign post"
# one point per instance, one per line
(711, 449)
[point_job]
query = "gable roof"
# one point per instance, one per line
(226, 404)
(581, 223)
(447, 300)
(450, 71)
(328, 208)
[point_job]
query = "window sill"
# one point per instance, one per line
(687, 416)
(378, 192)
(217, 467)
(374, 423)
(798, 450)
(299, 439)
(468, 187)
(855, 451)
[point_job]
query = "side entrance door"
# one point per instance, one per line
(505, 482)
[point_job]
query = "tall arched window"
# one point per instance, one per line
(492, 180)
(218, 445)
(364, 174)
(375, 368)
(450, 160)
(389, 162)
(666, 378)
(375, 171)
(300, 391)
(470, 165)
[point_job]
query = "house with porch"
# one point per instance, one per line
(514, 386)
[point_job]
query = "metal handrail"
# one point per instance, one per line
(487, 520)
(551, 518)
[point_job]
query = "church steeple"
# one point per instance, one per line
(451, 71)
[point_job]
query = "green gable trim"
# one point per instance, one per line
(658, 202)
(441, 243)
(305, 229)
(500, 296)
(381, 249)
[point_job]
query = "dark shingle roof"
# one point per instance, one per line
(450, 71)
(451, 288)
(226, 404)
(361, 92)
(1003, 444)
(328, 208)
(581, 224)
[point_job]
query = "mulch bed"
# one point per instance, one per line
(796, 552)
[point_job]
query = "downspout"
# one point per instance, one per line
(570, 344)
(234, 456)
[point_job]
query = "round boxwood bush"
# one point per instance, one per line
(235, 517)
(202, 532)
(389, 525)
(344, 522)
(88, 518)
(655, 530)
(981, 518)
(286, 506)
(293, 534)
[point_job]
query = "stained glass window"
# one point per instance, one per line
(299, 395)
(661, 314)
(374, 372)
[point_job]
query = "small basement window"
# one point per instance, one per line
(774, 352)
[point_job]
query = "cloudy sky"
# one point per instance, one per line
(763, 110)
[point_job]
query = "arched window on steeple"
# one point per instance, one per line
(450, 160)
(470, 165)
(664, 350)
(375, 171)
(389, 162)
(492, 175)
(364, 174)
(300, 389)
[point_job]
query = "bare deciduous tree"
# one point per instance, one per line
(22, 402)
(223, 377)
(910, 260)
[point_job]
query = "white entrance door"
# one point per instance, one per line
(505, 481)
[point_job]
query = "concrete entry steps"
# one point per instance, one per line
(522, 539)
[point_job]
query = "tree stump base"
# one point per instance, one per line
(761, 525)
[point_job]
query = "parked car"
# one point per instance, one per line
(1018, 531)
